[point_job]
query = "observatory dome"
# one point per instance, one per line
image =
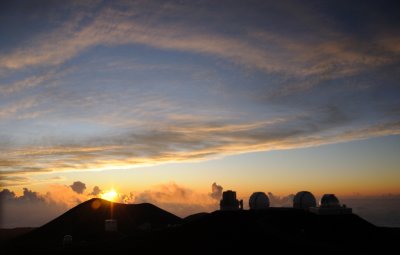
(258, 200)
(229, 201)
(304, 200)
(329, 201)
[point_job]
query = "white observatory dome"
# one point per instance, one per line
(329, 200)
(304, 200)
(258, 200)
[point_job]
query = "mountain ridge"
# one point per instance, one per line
(145, 228)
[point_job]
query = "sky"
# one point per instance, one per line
(171, 102)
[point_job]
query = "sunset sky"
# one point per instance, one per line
(158, 100)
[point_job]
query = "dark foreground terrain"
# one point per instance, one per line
(147, 229)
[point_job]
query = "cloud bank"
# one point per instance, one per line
(28, 210)
(216, 191)
(32, 209)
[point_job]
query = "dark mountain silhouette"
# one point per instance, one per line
(195, 217)
(86, 222)
(11, 233)
(284, 230)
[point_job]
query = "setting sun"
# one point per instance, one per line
(110, 195)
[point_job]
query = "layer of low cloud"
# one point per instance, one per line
(380, 210)
(280, 201)
(216, 191)
(28, 210)
(32, 209)
(177, 199)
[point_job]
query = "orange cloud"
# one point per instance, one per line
(34, 209)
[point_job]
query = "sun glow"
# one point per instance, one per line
(110, 195)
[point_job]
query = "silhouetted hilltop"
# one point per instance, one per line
(195, 217)
(86, 221)
(284, 230)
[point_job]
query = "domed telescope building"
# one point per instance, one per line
(304, 200)
(229, 201)
(329, 201)
(329, 205)
(258, 201)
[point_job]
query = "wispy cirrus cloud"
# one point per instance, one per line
(144, 83)
(18, 107)
(30, 82)
(11, 180)
(268, 50)
(181, 142)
